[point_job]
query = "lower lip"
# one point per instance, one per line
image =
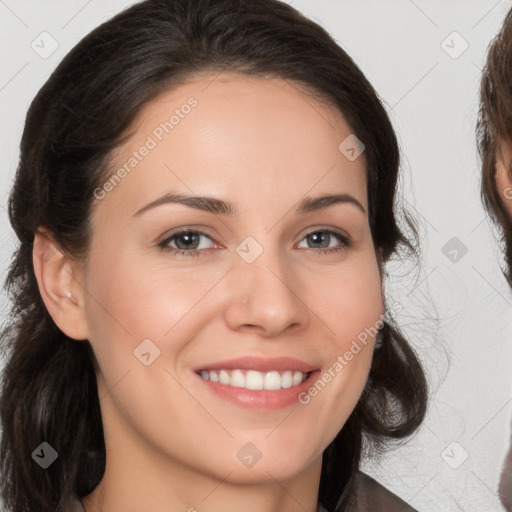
(260, 399)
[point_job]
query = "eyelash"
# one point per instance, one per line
(345, 242)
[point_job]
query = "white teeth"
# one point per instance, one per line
(224, 377)
(254, 380)
(237, 379)
(287, 380)
(297, 378)
(272, 381)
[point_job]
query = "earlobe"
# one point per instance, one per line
(60, 289)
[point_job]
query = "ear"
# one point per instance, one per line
(504, 178)
(59, 285)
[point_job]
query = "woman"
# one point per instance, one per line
(494, 138)
(205, 204)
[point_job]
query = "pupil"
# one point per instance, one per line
(189, 239)
(319, 237)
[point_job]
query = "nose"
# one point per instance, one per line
(266, 297)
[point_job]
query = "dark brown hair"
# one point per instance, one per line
(494, 130)
(494, 127)
(73, 126)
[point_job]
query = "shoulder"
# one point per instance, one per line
(370, 496)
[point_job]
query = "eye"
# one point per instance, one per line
(324, 239)
(192, 243)
(186, 242)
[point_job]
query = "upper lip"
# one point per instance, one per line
(261, 364)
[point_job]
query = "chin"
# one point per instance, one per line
(268, 464)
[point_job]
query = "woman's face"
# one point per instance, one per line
(276, 287)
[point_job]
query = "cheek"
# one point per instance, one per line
(350, 305)
(130, 300)
(133, 297)
(348, 301)
(122, 311)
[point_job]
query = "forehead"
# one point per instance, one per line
(239, 135)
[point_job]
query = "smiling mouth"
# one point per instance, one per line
(255, 380)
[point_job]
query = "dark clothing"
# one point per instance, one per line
(505, 489)
(370, 496)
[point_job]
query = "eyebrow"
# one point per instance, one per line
(220, 207)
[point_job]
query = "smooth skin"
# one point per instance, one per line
(263, 145)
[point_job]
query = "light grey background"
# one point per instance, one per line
(432, 99)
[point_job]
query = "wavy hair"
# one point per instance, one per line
(79, 117)
(494, 127)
